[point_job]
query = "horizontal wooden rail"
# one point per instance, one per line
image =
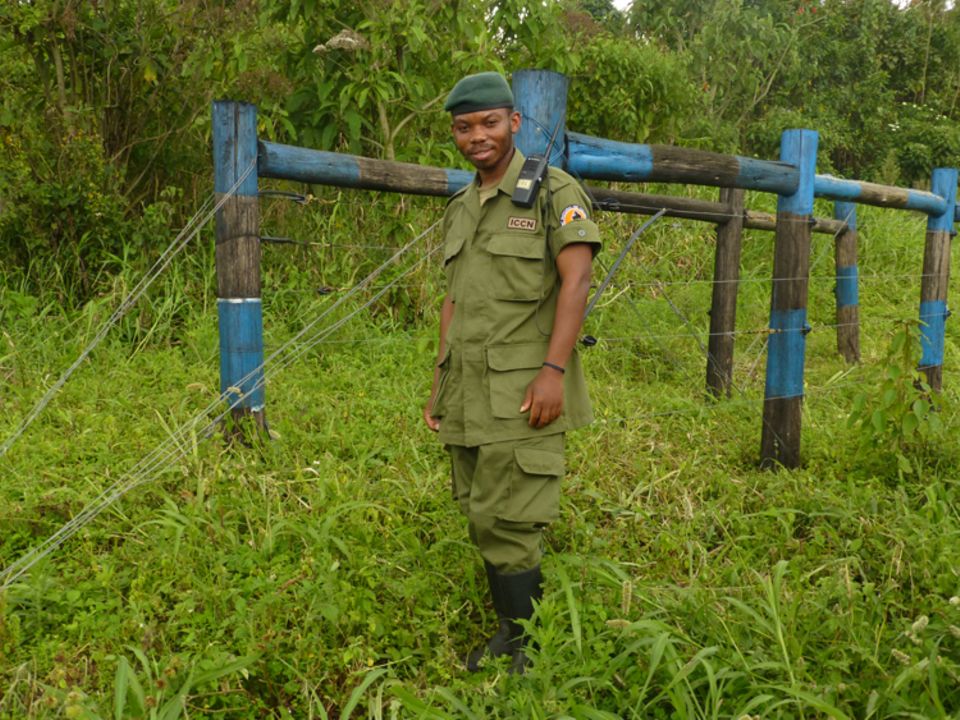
(756, 220)
(693, 209)
(645, 204)
(329, 168)
(598, 159)
(676, 165)
(864, 193)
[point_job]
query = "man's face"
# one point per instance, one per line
(485, 137)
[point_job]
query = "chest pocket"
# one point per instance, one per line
(517, 260)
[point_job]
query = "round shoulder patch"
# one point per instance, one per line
(571, 213)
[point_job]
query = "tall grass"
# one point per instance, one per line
(326, 573)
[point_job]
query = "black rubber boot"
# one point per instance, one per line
(499, 643)
(513, 597)
(519, 591)
(495, 592)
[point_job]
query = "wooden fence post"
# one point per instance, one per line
(847, 289)
(540, 96)
(783, 394)
(936, 277)
(238, 258)
(723, 308)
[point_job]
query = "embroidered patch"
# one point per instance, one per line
(521, 223)
(571, 213)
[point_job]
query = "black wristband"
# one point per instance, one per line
(555, 367)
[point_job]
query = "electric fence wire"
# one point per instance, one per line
(612, 341)
(758, 334)
(767, 279)
(744, 401)
(659, 286)
(161, 456)
(174, 446)
(308, 243)
(709, 357)
(655, 285)
(701, 409)
(183, 238)
(693, 332)
(362, 285)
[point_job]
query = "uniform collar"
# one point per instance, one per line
(509, 180)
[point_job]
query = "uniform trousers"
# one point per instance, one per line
(509, 491)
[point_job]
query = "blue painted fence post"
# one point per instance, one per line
(936, 278)
(238, 258)
(847, 289)
(783, 395)
(540, 96)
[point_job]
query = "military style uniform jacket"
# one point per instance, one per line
(503, 281)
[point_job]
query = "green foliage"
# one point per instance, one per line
(327, 573)
(925, 139)
(900, 421)
(68, 218)
(536, 34)
(634, 92)
(153, 693)
(16, 305)
(838, 67)
(98, 120)
(367, 75)
(104, 106)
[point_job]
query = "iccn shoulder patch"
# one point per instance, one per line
(571, 213)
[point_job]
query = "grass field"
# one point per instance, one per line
(326, 573)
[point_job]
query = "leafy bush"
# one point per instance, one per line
(925, 139)
(635, 92)
(63, 221)
(900, 420)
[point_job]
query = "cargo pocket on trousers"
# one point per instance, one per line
(534, 487)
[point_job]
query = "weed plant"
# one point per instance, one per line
(325, 572)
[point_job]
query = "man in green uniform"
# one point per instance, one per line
(508, 381)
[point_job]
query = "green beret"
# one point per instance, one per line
(483, 91)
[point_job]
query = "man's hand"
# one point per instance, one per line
(544, 398)
(432, 422)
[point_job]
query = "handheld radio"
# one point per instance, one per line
(532, 173)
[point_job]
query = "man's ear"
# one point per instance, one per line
(515, 122)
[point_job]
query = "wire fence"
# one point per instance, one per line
(183, 238)
(205, 422)
(326, 323)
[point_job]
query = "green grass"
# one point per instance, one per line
(326, 573)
